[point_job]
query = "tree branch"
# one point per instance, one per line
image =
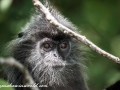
(27, 77)
(70, 32)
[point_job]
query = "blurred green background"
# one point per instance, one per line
(98, 20)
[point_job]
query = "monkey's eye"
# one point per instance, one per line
(63, 45)
(20, 34)
(47, 46)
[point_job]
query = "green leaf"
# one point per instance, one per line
(4, 84)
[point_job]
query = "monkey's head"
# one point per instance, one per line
(52, 57)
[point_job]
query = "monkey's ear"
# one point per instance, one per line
(20, 34)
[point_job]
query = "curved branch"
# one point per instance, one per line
(68, 31)
(12, 62)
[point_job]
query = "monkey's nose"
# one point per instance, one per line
(55, 55)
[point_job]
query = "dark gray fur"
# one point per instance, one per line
(24, 49)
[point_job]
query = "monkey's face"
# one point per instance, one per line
(54, 53)
(50, 60)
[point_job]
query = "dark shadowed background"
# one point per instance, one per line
(98, 20)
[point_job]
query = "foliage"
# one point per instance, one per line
(98, 20)
(3, 84)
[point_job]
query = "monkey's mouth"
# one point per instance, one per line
(58, 67)
(55, 65)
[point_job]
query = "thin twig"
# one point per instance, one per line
(27, 77)
(70, 32)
